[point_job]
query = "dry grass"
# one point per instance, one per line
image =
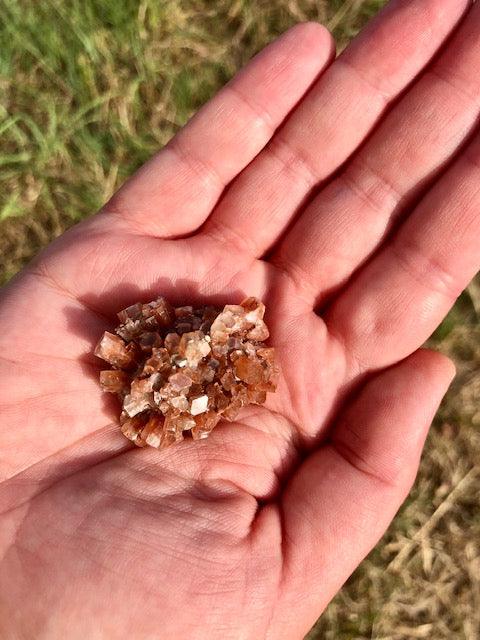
(90, 88)
(423, 579)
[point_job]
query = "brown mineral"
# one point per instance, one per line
(249, 369)
(178, 372)
(113, 350)
(114, 381)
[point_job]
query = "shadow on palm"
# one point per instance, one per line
(97, 271)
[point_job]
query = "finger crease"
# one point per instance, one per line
(43, 274)
(221, 232)
(260, 113)
(461, 91)
(353, 364)
(388, 193)
(298, 278)
(426, 271)
(360, 464)
(293, 160)
(382, 94)
(204, 169)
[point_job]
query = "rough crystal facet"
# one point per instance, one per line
(114, 381)
(113, 350)
(178, 372)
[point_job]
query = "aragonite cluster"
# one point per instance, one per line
(179, 371)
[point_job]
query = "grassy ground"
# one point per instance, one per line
(89, 89)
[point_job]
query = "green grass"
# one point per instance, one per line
(90, 89)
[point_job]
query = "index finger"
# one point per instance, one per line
(175, 191)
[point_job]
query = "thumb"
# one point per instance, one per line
(345, 495)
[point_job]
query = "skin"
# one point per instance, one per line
(349, 204)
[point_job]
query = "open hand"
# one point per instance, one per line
(312, 185)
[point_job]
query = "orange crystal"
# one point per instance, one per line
(178, 372)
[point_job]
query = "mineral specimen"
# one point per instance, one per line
(178, 372)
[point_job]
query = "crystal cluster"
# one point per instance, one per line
(178, 371)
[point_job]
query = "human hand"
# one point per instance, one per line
(250, 533)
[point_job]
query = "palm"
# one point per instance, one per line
(220, 536)
(157, 532)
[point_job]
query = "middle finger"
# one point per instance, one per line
(330, 123)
